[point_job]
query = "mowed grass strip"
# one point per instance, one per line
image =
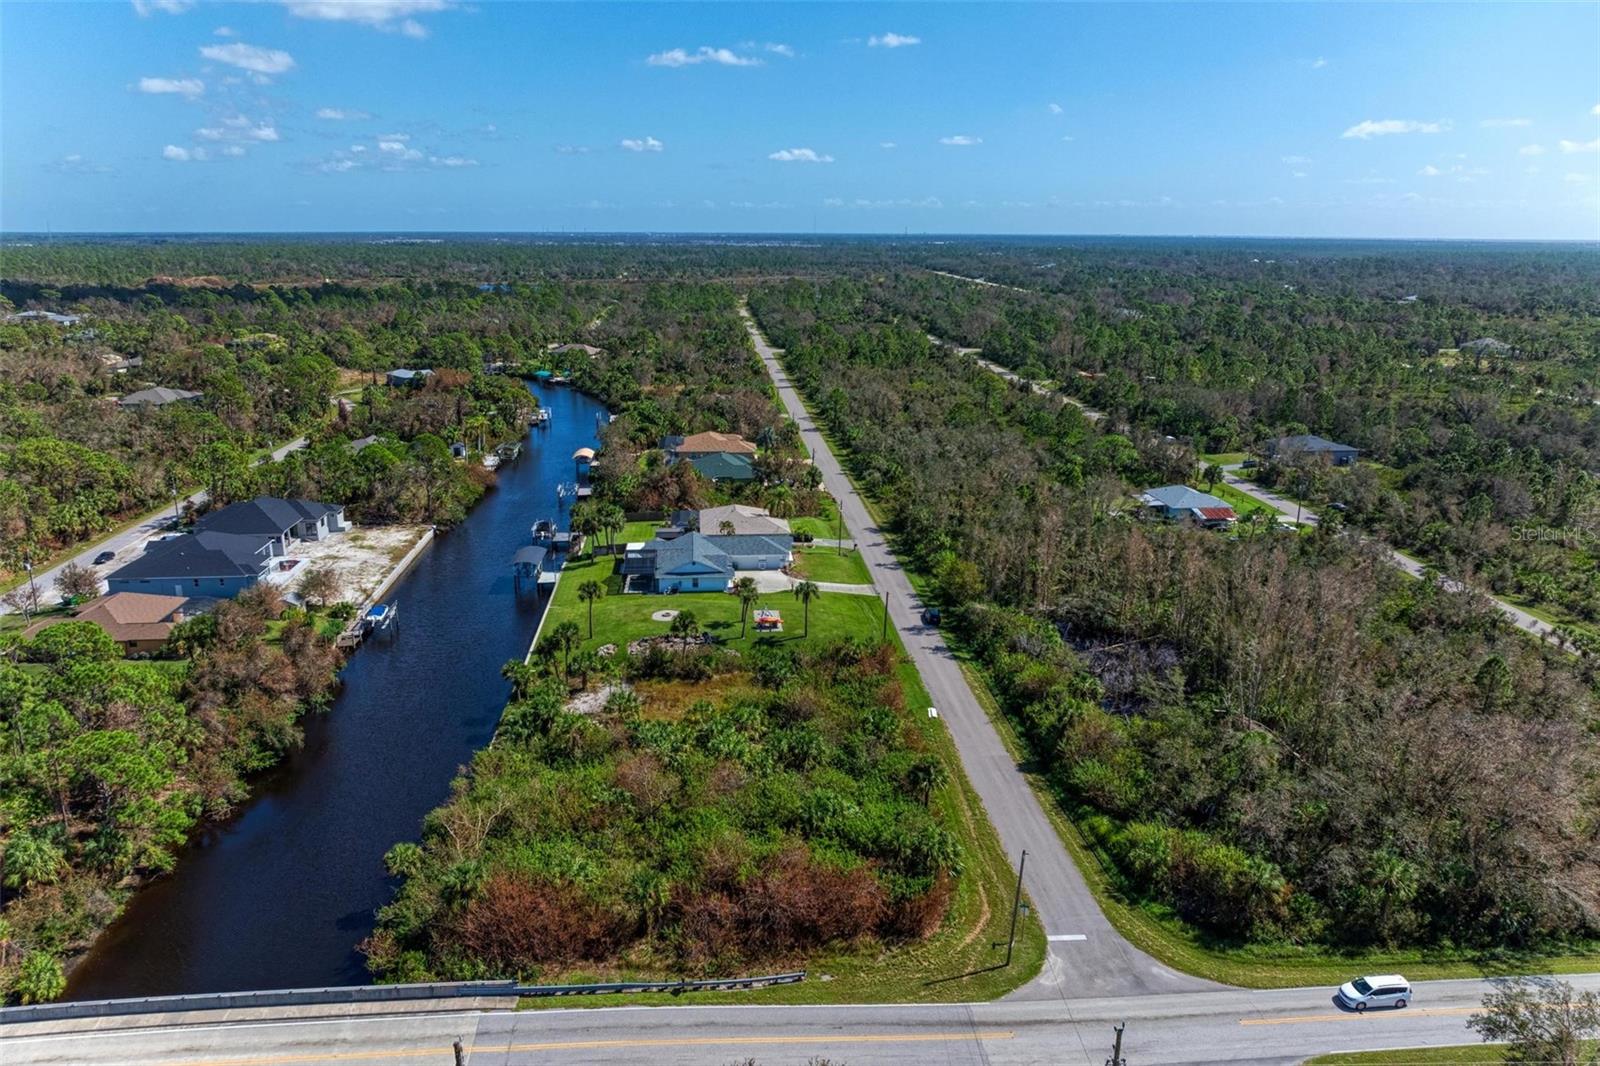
(959, 962)
(827, 564)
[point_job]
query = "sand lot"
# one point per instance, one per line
(361, 557)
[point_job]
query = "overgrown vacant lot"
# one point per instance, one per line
(801, 816)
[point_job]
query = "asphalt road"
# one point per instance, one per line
(1232, 1026)
(1284, 506)
(127, 543)
(1096, 961)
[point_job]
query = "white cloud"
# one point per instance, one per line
(1430, 171)
(1296, 160)
(679, 57)
(1571, 147)
(337, 166)
(1388, 126)
(784, 50)
(1318, 63)
(1595, 110)
(1068, 137)
(861, 202)
(1504, 123)
(574, 149)
(391, 16)
(182, 155)
(887, 144)
(341, 114)
(799, 155)
(1055, 109)
(75, 163)
(1531, 149)
(960, 140)
(263, 132)
(250, 57)
(235, 150)
(893, 40)
(146, 8)
(1299, 174)
(399, 150)
(224, 31)
(647, 144)
(186, 87)
(452, 161)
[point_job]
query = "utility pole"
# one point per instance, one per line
(885, 636)
(1016, 902)
(1116, 1058)
(461, 1053)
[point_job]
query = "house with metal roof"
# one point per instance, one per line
(407, 378)
(156, 397)
(724, 466)
(1180, 503)
(1308, 446)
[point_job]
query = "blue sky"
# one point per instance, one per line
(1457, 120)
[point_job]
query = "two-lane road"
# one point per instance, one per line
(1088, 958)
(1232, 1026)
(129, 541)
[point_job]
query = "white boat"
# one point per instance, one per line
(491, 461)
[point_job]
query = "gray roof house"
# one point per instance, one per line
(159, 396)
(689, 563)
(1310, 446)
(753, 551)
(218, 565)
(743, 518)
(1181, 503)
(276, 520)
(45, 316)
(404, 376)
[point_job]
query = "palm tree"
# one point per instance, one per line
(588, 592)
(685, 626)
(726, 528)
(805, 592)
(566, 637)
(747, 592)
(612, 521)
(925, 776)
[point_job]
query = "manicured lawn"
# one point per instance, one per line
(1243, 505)
(1223, 458)
(1422, 1056)
(620, 617)
(959, 962)
(826, 564)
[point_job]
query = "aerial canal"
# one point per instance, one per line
(279, 896)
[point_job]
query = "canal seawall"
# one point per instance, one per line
(280, 895)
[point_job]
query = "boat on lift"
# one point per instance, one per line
(544, 533)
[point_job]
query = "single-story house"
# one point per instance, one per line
(159, 396)
(706, 443)
(45, 316)
(743, 519)
(405, 377)
(752, 551)
(1310, 446)
(1181, 503)
(570, 349)
(278, 521)
(360, 444)
(210, 564)
(690, 563)
(139, 621)
(724, 466)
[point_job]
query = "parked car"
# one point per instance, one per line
(930, 616)
(1385, 990)
(1250, 464)
(104, 557)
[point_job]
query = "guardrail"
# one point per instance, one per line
(299, 997)
(728, 983)
(287, 997)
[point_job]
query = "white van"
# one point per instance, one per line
(1384, 990)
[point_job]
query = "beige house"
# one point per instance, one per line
(139, 621)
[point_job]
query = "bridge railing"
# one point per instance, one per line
(298, 997)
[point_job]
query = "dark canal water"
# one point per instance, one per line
(280, 895)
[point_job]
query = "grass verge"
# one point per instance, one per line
(1463, 1054)
(827, 564)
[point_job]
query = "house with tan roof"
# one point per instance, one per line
(140, 621)
(708, 443)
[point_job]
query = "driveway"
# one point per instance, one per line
(1284, 506)
(130, 542)
(1087, 957)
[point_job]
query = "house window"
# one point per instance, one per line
(695, 583)
(196, 582)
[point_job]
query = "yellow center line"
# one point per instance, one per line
(1413, 1012)
(579, 1045)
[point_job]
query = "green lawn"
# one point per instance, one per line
(959, 962)
(1181, 946)
(621, 617)
(1223, 458)
(826, 564)
(1243, 505)
(1462, 1054)
(824, 526)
